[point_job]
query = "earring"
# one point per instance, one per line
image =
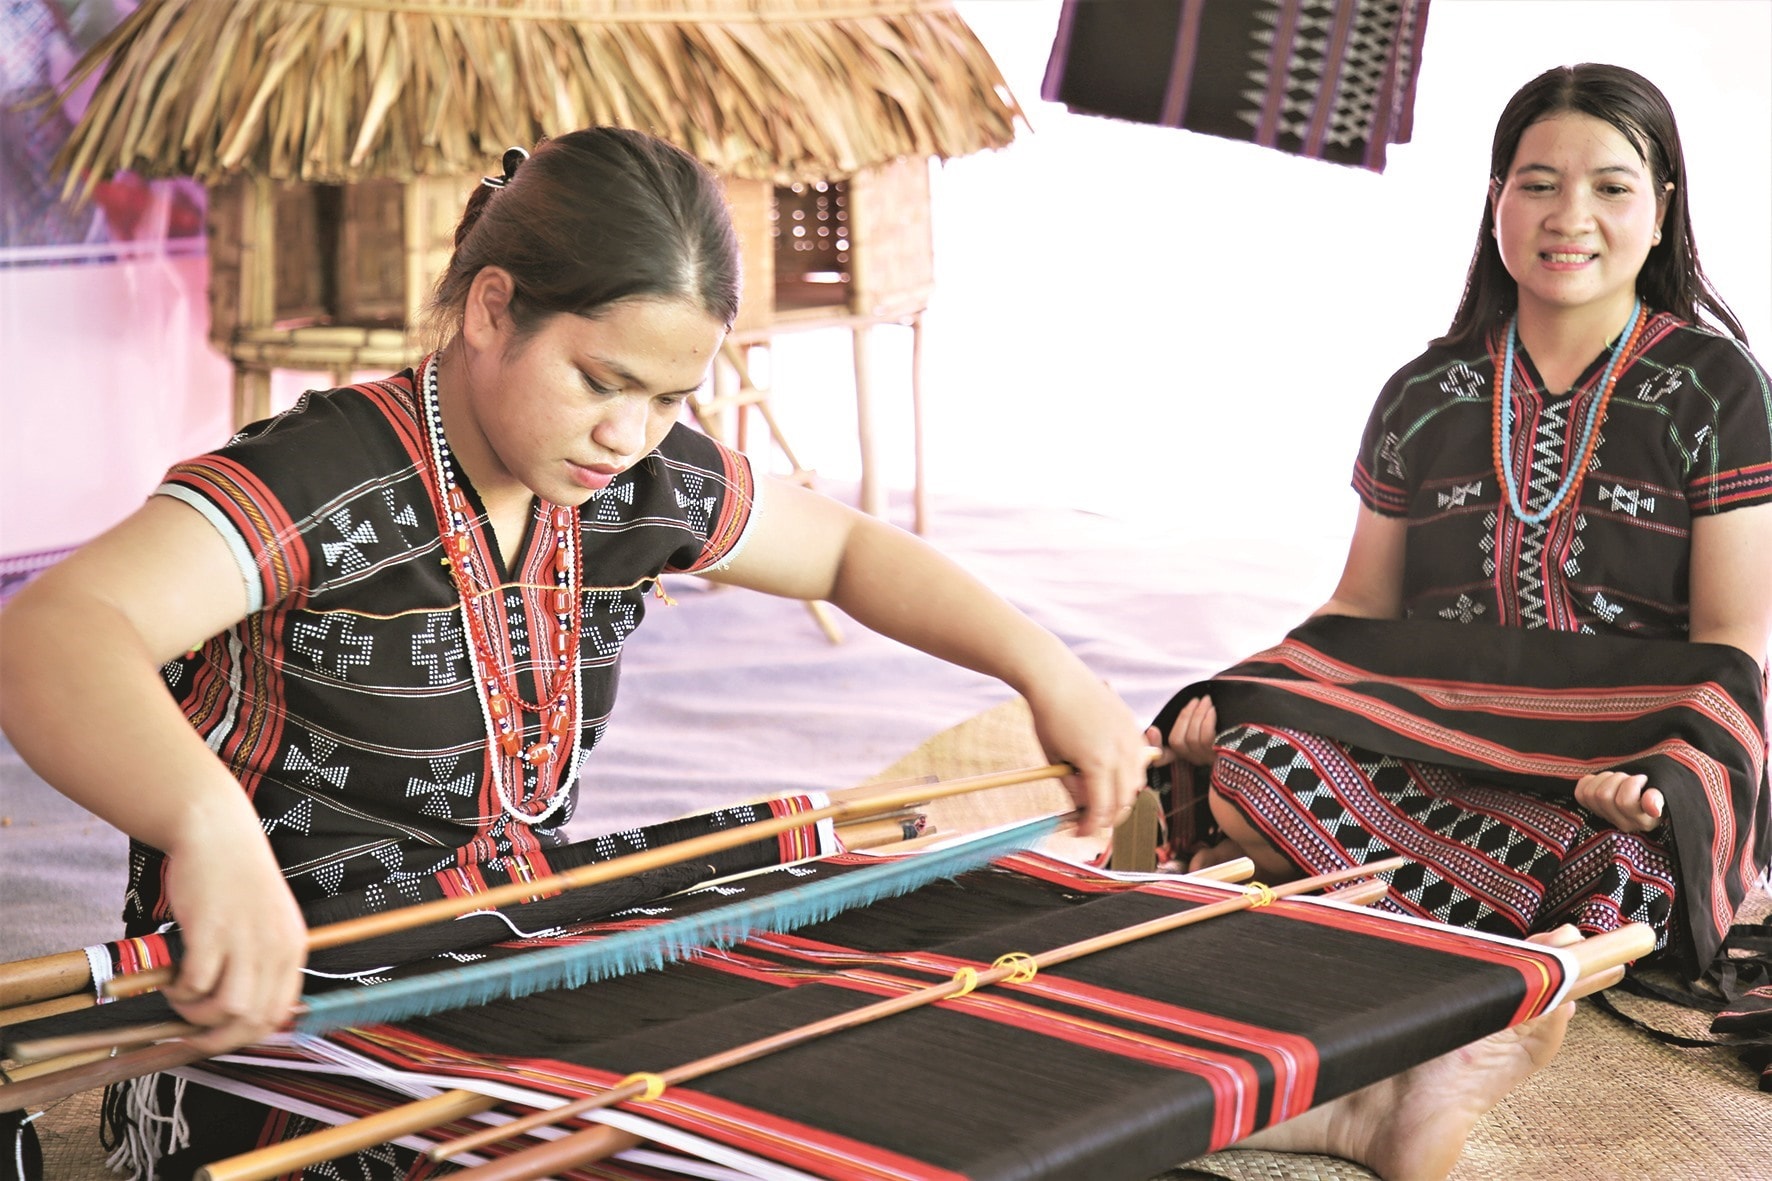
(1656, 240)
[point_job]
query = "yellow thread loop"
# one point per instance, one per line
(659, 590)
(967, 979)
(1025, 967)
(655, 1086)
(1264, 895)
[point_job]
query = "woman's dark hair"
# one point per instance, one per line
(1671, 278)
(591, 218)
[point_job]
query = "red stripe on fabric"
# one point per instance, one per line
(277, 545)
(256, 737)
(787, 1141)
(1717, 796)
(1378, 495)
(1232, 1079)
(735, 509)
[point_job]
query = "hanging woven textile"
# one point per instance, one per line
(1329, 79)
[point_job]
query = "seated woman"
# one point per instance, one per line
(1577, 454)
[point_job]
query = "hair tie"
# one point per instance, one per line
(512, 158)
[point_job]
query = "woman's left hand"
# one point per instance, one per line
(1627, 802)
(1084, 723)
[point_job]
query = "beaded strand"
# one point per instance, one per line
(1502, 433)
(502, 705)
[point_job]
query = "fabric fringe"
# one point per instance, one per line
(135, 1131)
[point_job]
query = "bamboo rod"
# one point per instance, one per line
(329, 1143)
(1360, 893)
(120, 1066)
(44, 1089)
(872, 834)
(30, 1070)
(512, 1168)
(38, 1049)
(441, 909)
(49, 1008)
(53, 984)
(44, 977)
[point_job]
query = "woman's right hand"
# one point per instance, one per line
(244, 939)
(1190, 738)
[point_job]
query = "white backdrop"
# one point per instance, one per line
(1142, 322)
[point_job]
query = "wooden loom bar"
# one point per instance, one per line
(277, 1159)
(125, 1065)
(556, 1155)
(47, 976)
(59, 979)
(441, 909)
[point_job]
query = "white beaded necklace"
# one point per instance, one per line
(558, 712)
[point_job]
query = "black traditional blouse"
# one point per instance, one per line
(344, 701)
(1688, 432)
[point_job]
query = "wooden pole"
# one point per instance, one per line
(442, 909)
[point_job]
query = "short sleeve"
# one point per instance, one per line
(1380, 475)
(315, 498)
(704, 489)
(1730, 463)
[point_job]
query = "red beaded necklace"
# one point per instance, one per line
(502, 704)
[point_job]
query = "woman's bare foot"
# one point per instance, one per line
(1216, 854)
(1412, 1126)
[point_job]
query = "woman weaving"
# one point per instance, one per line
(1577, 454)
(392, 615)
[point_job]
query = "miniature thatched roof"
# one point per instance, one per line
(341, 90)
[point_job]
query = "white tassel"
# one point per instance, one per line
(149, 1135)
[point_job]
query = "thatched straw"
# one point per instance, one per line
(342, 90)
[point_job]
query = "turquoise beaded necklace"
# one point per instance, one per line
(1592, 423)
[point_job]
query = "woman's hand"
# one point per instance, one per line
(1081, 721)
(1626, 802)
(1195, 728)
(244, 938)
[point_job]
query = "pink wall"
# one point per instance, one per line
(107, 380)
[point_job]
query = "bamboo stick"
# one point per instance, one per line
(513, 1167)
(329, 1143)
(39, 1049)
(872, 834)
(30, 1070)
(53, 984)
(441, 909)
(46, 976)
(120, 1066)
(43, 1089)
(49, 1008)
